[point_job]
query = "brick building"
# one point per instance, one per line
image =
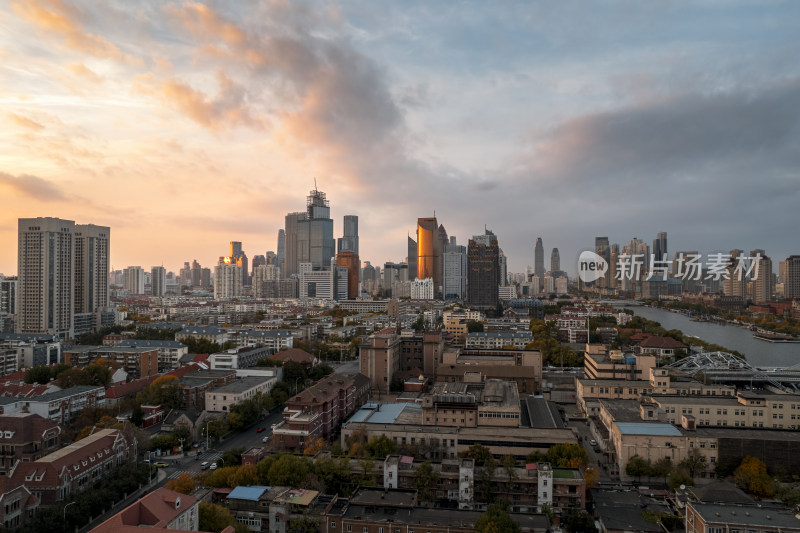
(26, 437)
(161, 510)
(138, 362)
(318, 411)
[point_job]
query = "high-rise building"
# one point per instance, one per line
(782, 267)
(763, 282)
(791, 288)
(205, 277)
(503, 269)
(239, 258)
(538, 259)
(660, 246)
(317, 282)
(411, 259)
(422, 289)
(290, 264)
(429, 251)
(92, 246)
(45, 263)
(8, 295)
(197, 274)
(158, 281)
(555, 261)
(483, 271)
(736, 282)
(227, 280)
(281, 248)
(258, 260)
(133, 279)
(265, 281)
(549, 284)
(455, 271)
(186, 274)
(602, 248)
(349, 259)
(349, 238)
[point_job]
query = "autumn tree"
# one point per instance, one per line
(215, 518)
(567, 455)
(752, 475)
(315, 447)
(592, 477)
(185, 483)
(380, 446)
(695, 462)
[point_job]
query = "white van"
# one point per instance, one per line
(204, 465)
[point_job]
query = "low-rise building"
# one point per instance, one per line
(717, 517)
(59, 406)
(522, 366)
(497, 340)
(273, 340)
(221, 399)
(241, 357)
(169, 352)
(18, 505)
(271, 509)
(491, 403)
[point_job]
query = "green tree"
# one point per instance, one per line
(215, 518)
(661, 468)
(380, 446)
(578, 521)
(474, 326)
(426, 480)
(294, 373)
(320, 371)
(637, 467)
(496, 519)
(479, 453)
(679, 476)
(38, 374)
(695, 462)
(288, 470)
(137, 415)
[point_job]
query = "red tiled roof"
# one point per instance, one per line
(121, 390)
(20, 389)
(19, 375)
(661, 343)
(153, 511)
(640, 336)
(26, 427)
(186, 369)
(293, 354)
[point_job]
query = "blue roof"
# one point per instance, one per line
(384, 413)
(248, 493)
(648, 428)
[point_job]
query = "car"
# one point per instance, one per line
(273, 426)
(204, 465)
(265, 439)
(160, 465)
(259, 430)
(593, 442)
(213, 466)
(196, 445)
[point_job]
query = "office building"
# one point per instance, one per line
(92, 248)
(280, 256)
(538, 259)
(227, 280)
(411, 259)
(483, 271)
(158, 281)
(196, 274)
(429, 251)
(422, 289)
(603, 249)
(349, 260)
(290, 260)
(555, 261)
(660, 246)
(454, 267)
(503, 262)
(316, 282)
(45, 263)
(349, 239)
(8, 295)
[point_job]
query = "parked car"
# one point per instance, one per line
(213, 466)
(204, 465)
(593, 442)
(160, 465)
(273, 426)
(265, 439)
(259, 430)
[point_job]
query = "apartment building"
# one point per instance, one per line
(138, 362)
(160, 510)
(59, 406)
(498, 340)
(221, 399)
(169, 352)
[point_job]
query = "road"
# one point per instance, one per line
(348, 367)
(596, 459)
(248, 438)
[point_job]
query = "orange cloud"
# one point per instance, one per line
(25, 122)
(55, 17)
(81, 70)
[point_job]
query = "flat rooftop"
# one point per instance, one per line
(241, 385)
(648, 428)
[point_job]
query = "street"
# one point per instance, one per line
(348, 367)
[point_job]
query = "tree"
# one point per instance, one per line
(474, 326)
(380, 446)
(661, 468)
(679, 476)
(695, 462)
(425, 481)
(232, 457)
(137, 415)
(567, 455)
(288, 470)
(479, 453)
(185, 483)
(315, 447)
(496, 520)
(215, 518)
(578, 521)
(294, 373)
(218, 427)
(637, 467)
(38, 374)
(752, 476)
(592, 477)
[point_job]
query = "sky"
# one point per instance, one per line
(186, 125)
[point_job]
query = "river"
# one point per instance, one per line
(759, 353)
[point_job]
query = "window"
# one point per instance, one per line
(333, 524)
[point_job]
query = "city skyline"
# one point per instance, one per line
(196, 125)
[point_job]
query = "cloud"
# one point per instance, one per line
(67, 21)
(82, 71)
(33, 187)
(25, 122)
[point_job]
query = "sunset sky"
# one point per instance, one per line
(184, 125)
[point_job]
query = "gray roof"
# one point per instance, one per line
(201, 330)
(502, 335)
(28, 337)
(749, 516)
(241, 385)
(648, 428)
(622, 510)
(271, 333)
(66, 393)
(141, 343)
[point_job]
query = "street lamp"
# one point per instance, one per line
(65, 512)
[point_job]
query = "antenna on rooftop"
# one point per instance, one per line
(315, 184)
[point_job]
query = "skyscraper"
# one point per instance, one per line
(349, 259)
(158, 280)
(429, 251)
(735, 284)
(483, 271)
(349, 238)
(602, 248)
(45, 263)
(309, 235)
(281, 254)
(290, 259)
(455, 271)
(764, 283)
(555, 261)
(92, 246)
(503, 262)
(538, 260)
(660, 246)
(227, 280)
(411, 259)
